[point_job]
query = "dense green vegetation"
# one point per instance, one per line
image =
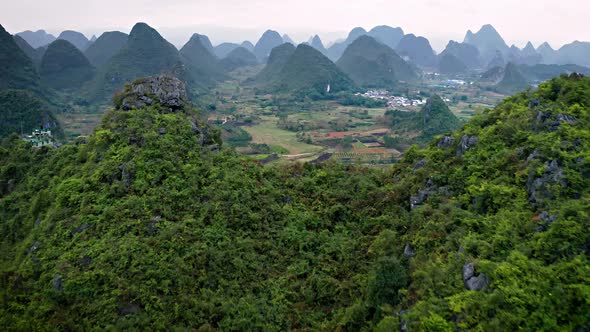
(279, 56)
(372, 64)
(204, 66)
(105, 47)
(512, 81)
(24, 103)
(146, 53)
(23, 111)
(34, 54)
(17, 70)
(433, 119)
(308, 72)
(146, 226)
(238, 57)
(450, 64)
(64, 66)
(540, 73)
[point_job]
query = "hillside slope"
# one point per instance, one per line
(148, 226)
(17, 70)
(433, 119)
(309, 72)
(105, 47)
(372, 64)
(145, 53)
(63, 66)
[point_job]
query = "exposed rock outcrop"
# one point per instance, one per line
(57, 283)
(538, 188)
(445, 141)
(420, 164)
(409, 252)
(471, 281)
(168, 91)
(545, 220)
(466, 143)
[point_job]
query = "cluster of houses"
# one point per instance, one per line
(39, 138)
(392, 101)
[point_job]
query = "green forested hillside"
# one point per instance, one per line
(276, 61)
(22, 111)
(513, 80)
(204, 66)
(105, 47)
(239, 57)
(145, 53)
(34, 54)
(449, 64)
(64, 66)
(24, 103)
(17, 70)
(372, 64)
(148, 225)
(433, 119)
(309, 72)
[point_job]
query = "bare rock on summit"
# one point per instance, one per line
(168, 91)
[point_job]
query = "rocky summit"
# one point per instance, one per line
(166, 90)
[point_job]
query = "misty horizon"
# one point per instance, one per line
(438, 21)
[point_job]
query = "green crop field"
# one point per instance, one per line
(267, 132)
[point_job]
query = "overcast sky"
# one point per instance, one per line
(518, 21)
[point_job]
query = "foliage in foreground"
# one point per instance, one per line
(143, 228)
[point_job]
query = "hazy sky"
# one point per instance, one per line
(518, 21)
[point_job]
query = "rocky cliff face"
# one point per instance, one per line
(166, 90)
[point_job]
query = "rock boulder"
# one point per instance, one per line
(168, 91)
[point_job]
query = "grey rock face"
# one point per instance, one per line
(428, 190)
(534, 103)
(415, 201)
(409, 252)
(477, 283)
(466, 143)
(471, 281)
(468, 271)
(543, 116)
(80, 229)
(57, 282)
(545, 220)
(403, 321)
(85, 261)
(420, 164)
(565, 118)
(533, 155)
(34, 247)
(445, 141)
(128, 309)
(537, 187)
(166, 90)
(561, 119)
(126, 173)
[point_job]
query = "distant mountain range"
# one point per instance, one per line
(481, 50)
(105, 47)
(23, 99)
(269, 40)
(64, 66)
(239, 57)
(380, 57)
(373, 64)
(37, 38)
